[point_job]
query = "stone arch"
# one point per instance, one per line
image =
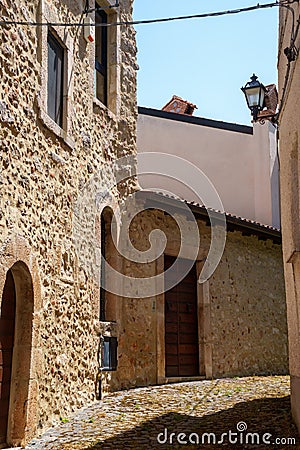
(17, 262)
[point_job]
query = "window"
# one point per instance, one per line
(55, 99)
(101, 56)
(55, 79)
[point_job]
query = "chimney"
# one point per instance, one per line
(271, 101)
(179, 106)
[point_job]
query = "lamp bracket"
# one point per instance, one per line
(273, 119)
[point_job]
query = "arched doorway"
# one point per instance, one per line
(16, 314)
(7, 331)
(108, 306)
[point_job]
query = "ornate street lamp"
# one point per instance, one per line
(254, 92)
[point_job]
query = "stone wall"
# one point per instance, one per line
(248, 311)
(42, 171)
(289, 182)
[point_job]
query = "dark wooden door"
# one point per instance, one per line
(7, 328)
(181, 323)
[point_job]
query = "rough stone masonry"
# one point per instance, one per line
(42, 169)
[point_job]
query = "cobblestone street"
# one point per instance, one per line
(134, 419)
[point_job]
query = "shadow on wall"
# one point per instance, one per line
(268, 415)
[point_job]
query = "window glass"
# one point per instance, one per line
(101, 56)
(55, 79)
(106, 355)
(109, 359)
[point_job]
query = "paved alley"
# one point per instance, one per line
(238, 413)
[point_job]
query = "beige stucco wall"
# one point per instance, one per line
(242, 311)
(242, 167)
(42, 171)
(289, 173)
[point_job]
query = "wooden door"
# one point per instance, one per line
(181, 323)
(7, 328)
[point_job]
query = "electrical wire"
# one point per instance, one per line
(285, 4)
(289, 8)
(286, 86)
(150, 21)
(289, 74)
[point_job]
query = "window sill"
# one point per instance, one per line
(98, 104)
(111, 4)
(56, 129)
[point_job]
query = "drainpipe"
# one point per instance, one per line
(98, 387)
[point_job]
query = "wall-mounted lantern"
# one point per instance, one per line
(254, 92)
(261, 100)
(109, 353)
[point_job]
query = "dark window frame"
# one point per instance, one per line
(55, 97)
(101, 66)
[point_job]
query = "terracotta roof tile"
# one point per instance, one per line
(202, 207)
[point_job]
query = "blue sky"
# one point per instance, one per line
(205, 61)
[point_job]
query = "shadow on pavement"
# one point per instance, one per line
(268, 415)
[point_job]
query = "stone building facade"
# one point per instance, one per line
(48, 151)
(289, 126)
(58, 133)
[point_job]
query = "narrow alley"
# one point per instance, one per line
(203, 414)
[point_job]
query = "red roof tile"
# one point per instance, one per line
(145, 193)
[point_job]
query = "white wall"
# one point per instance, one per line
(242, 167)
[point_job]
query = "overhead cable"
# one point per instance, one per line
(258, 6)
